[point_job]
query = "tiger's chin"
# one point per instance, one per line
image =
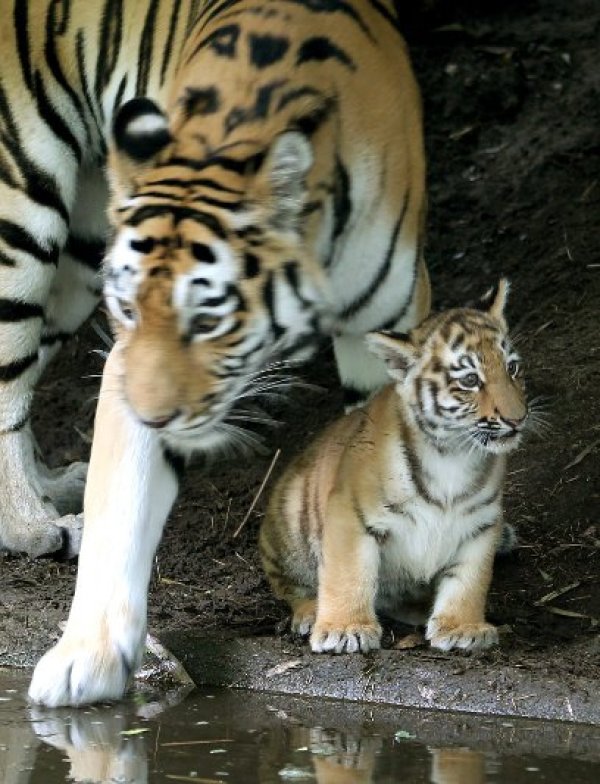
(497, 443)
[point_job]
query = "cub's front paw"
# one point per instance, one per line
(342, 638)
(83, 670)
(446, 633)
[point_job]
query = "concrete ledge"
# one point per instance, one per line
(388, 677)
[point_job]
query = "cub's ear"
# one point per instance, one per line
(494, 300)
(280, 183)
(140, 133)
(396, 348)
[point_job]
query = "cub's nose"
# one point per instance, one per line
(160, 422)
(515, 423)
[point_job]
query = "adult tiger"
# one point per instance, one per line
(280, 194)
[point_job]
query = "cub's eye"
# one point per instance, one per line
(146, 245)
(513, 367)
(202, 325)
(470, 381)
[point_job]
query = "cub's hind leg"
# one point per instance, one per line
(288, 569)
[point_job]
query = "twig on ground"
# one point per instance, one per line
(258, 494)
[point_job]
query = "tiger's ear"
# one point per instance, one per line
(494, 300)
(140, 133)
(396, 349)
(280, 183)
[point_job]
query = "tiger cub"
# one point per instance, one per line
(397, 506)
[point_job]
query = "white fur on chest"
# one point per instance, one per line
(423, 536)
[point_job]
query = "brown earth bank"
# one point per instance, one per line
(512, 115)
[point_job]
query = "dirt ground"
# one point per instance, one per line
(512, 110)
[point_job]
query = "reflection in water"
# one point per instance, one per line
(235, 737)
(94, 742)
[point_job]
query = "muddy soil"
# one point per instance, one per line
(512, 111)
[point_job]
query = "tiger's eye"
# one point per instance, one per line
(470, 381)
(513, 367)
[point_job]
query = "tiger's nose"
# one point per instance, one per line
(515, 423)
(160, 422)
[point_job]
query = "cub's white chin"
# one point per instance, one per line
(500, 445)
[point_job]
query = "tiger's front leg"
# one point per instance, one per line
(348, 575)
(458, 616)
(131, 488)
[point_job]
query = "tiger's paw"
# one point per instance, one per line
(303, 618)
(351, 638)
(445, 634)
(84, 669)
(60, 536)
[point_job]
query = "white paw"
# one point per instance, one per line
(64, 486)
(466, 636)
(84, 670)
(346, 639)
(37, 537)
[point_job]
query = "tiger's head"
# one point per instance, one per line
(208, 280)
(460, 375)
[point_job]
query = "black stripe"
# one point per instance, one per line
(19, 425)
(296, 94)
(202, 101)
(333, 7)
(53, 28)
(14, 369)
(267, 49)
(391, 18)
(233, 206)
(269, 298)
(365, 298)
(21, 23)
(89, 252)
(178, 214)
(237, 165)
(222, 41)
(145, 50)
(53, 119)
(41, 187)
(80, 52)
(168, 50)
(241, 115)
(175, 461)
(109, 48)
(119, 95)
(16, 310)
(318, 49)
(354, 396)
(342, 205)
(55, 337)
(19, 239)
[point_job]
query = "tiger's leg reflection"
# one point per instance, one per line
(94, 742)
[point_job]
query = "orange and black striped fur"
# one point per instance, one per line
(267, 182)
(266, 165)
(400, 502)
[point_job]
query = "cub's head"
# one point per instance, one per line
(460, 375)
(207, 278)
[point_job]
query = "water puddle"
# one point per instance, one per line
(212, 736)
